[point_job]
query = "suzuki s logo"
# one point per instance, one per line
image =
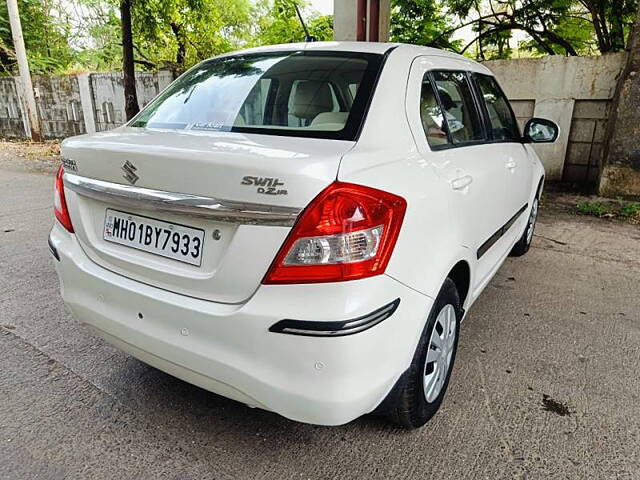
(129, 170)
(265, 185)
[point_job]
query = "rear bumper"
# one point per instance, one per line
(229, 350)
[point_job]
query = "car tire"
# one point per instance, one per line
(523, 245)
(419, 393)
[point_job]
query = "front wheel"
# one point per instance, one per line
(419, 393)
(524, 243)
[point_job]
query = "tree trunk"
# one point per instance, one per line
(620, 175)
(182, 48)
(595, 20)
(131, 107)
(602, 14)
(617, 26)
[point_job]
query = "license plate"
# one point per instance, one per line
(166, 239)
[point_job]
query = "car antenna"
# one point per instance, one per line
(307, 37)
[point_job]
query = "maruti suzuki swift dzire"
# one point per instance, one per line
(301, 227)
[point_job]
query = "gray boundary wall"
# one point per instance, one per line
(74, 104)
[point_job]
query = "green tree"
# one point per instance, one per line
(179, 33)
(98, 40)
(66, 35)
(571, 27)
(422, 22)
(278, 22)
(612, 21)
(46, 33)
(538, 19)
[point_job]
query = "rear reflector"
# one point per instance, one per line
(347, 232)
(60, 204)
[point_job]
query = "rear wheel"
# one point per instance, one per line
(524, 243)
(419, 393)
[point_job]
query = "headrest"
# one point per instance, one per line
(311, 98)
(330, 117)
(447, 101)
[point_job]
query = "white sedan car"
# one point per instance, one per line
(301, 227)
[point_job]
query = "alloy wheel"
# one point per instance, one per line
(439, 353)
(532, 220)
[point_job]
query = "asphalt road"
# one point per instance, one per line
(545, 385)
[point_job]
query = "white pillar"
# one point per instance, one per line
(23, 68)
(385, 20)
(346, 19)
(86, 101)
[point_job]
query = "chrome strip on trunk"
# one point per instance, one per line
(181, 203)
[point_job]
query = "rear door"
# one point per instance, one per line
(454, 139)
(505, 133)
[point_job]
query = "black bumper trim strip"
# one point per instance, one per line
(309, 328)
(53, 249)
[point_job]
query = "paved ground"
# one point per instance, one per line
(545, 385)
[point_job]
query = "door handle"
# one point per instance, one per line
(461, 183)
(511, 164)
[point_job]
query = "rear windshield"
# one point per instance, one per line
(304, 94)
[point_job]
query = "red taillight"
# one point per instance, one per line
(60, 204)
(347, 232)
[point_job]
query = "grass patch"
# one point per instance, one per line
(624, 211)
(631, 210)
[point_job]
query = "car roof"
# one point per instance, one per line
(363, 47)
(359, 47)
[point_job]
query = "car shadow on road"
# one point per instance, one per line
(156, 391)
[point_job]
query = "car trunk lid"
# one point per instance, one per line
(239, 192)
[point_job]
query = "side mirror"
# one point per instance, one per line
(540, 130)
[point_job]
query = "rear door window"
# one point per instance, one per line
(503, 123)
(461, 115)
(432, 116)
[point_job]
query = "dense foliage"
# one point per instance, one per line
(422, 22)
(278, 23)
(63, 35)
(571, 27)
(179, 33)
(45, 31)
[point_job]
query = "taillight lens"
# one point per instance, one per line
(347, 232)
(60, 204)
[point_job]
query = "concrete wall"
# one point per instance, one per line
(11, 120)
(108, 95)
(58, 104)
(74, 104)
(575, 92)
